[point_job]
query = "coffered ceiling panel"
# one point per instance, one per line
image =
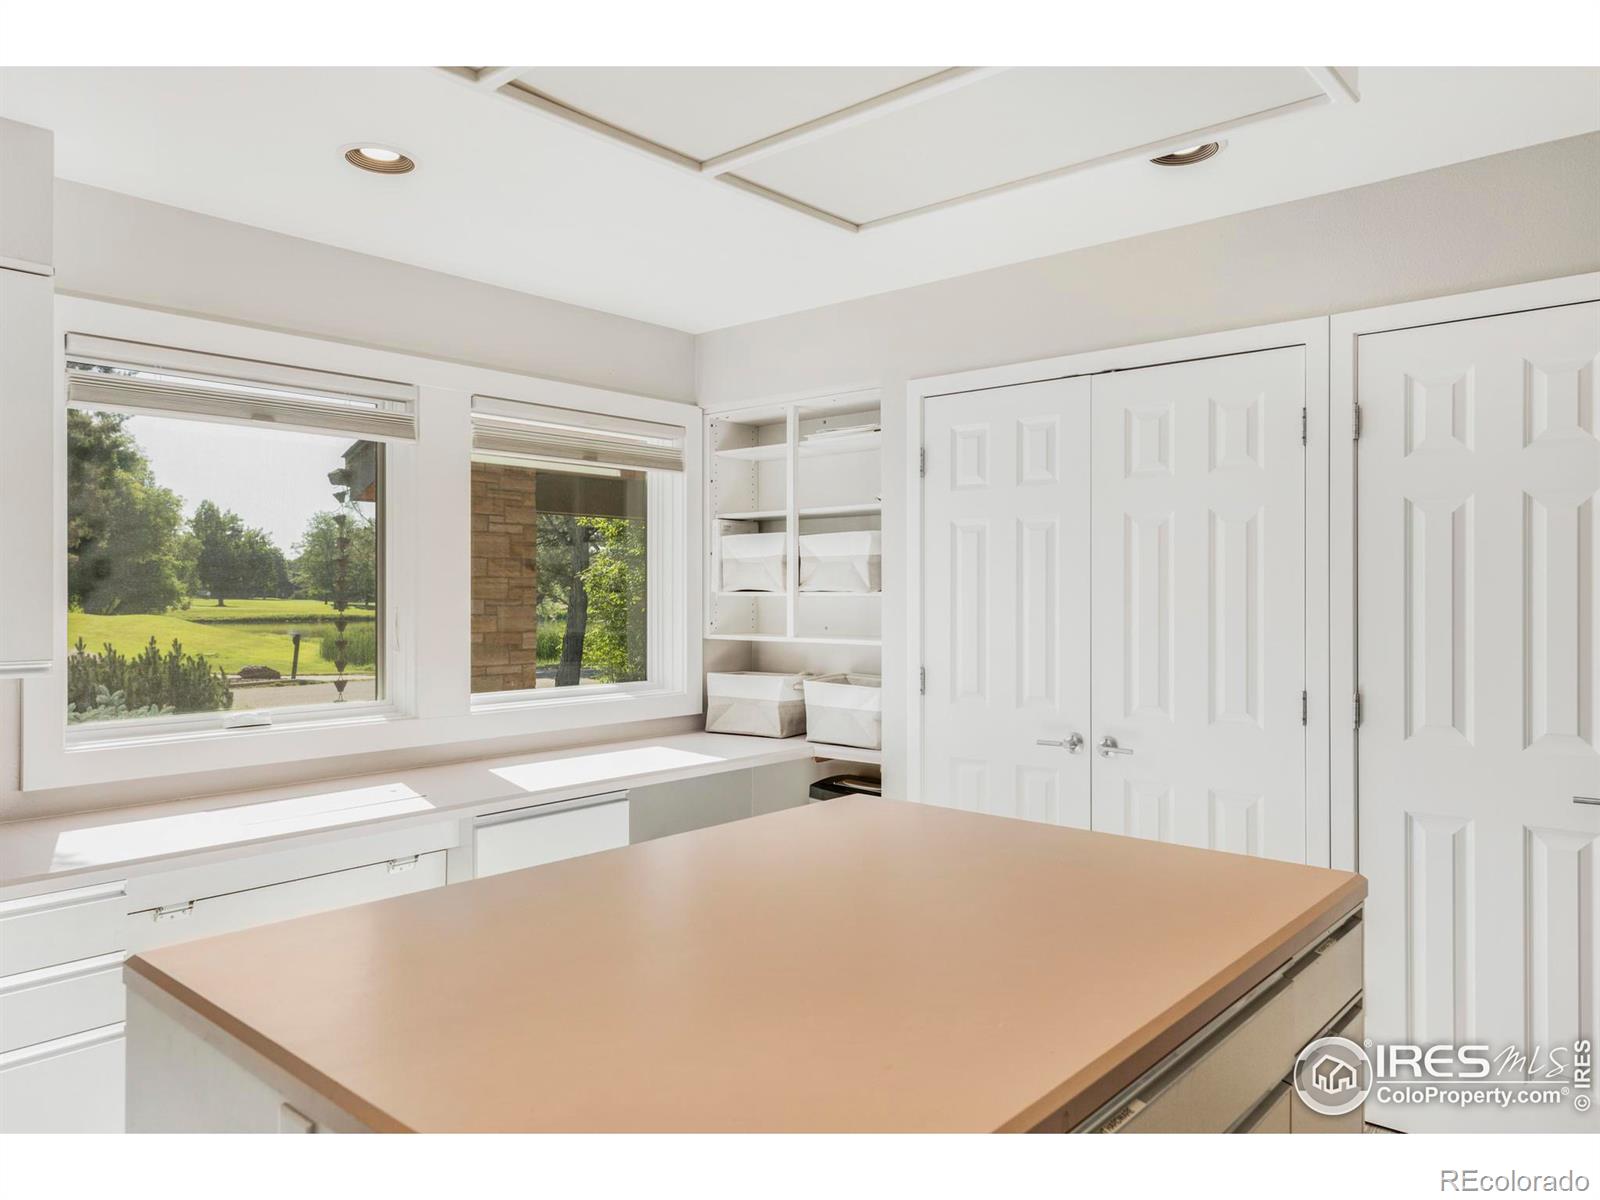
(525, 196)
(1014, 125)
(705, 111)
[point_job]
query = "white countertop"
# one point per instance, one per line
(80, 848)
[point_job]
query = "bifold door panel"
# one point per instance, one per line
(1114, 602)
(1478, 474)
(1199, 576)
(1006, 604)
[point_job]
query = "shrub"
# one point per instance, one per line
(112, 706)
(361, 644)
(102, 686)
(551, 634)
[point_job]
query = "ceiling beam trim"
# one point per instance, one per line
(489, 78)
(800, 206)
(1167, 145)
(1334, 85)
(1333, 88)
(869, 109)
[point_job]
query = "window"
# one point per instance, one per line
(224, 537)
(561, 546)
(295, 540)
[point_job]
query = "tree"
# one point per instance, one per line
(122, 527)
(614, 583)
(232, 560)
(315, 569)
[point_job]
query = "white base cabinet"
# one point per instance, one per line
(62, 996)
(72, 1084)
(546, 833)
(212, 915)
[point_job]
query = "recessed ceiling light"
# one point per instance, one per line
(381, 159)
(1188, 157)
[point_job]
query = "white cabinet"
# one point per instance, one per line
(62, 999)
(57, 1001)
(57, 927)
(27, 197)
(27, 413)
(210, 915)
(27, 398)
(545, 833)
(72, 1084)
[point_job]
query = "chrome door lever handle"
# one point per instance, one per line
(1072, 743)
(1109, 747)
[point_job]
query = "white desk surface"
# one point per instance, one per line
(43, 853)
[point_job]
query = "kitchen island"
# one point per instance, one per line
(858, 965)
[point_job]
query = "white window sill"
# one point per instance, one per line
(73, 762)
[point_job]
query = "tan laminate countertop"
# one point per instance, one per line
(861, 964)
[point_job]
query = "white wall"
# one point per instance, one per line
(115, 247)
(1530, 214)
(1526, 215)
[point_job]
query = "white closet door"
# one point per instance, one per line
(1478, 473)
(1199, 603)
(1006, 601)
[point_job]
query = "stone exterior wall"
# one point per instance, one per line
(504, 625)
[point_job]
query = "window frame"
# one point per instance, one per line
(425, 613)
(661, 495)
(181, 726)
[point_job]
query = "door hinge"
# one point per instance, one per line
(922, 681)
(1356, 711)
(173, 912)
(922, 462)
(396, 865)
(1305, 702)
(1304, 419)
(1355, 425)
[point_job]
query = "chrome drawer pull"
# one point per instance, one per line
(1594, 800)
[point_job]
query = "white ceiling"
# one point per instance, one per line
(510, 195)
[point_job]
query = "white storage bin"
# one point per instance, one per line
(754, 562)
(849, 561)
(845, 710)
(764, 703)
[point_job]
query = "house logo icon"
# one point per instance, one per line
(1333, 1076)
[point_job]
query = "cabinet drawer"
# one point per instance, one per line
(1272, 1116)
(1222, 1082)
(1326, 980)
(211, 915)
(52, 1002)
(528, 837)
(1225, 1077)
(71, 1085)
(1304, 1120)
(60, 927)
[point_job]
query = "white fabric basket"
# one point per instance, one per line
(763, 703)
(754, 562)
(845, 710)
(849, 561)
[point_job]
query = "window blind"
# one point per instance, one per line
(107, 373)
(511, 429)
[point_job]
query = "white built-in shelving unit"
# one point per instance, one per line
(769, 471)
(782, 468)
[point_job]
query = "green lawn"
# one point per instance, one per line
(207, 612)
(257, 636)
